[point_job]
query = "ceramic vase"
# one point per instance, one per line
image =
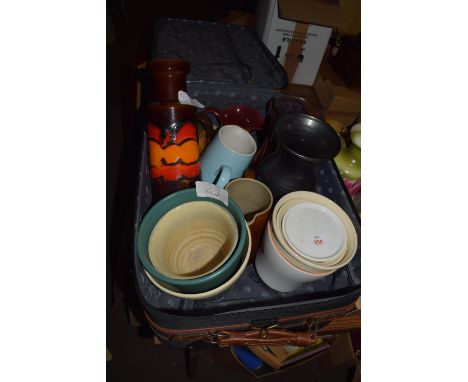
(303, 142)
(348, 160)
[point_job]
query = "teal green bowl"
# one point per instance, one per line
(198, 284)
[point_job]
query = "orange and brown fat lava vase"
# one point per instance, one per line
(174, 153)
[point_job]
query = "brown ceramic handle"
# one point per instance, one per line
(216, 112)
(207, 126)
(265, 337)
(249, 173)
(263, 150)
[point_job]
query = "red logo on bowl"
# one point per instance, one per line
(318, 241)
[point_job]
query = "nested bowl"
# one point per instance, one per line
(197, 284)
(296, 258)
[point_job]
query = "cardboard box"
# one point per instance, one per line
(337, 98)
(334, 95)
(344, 120)
(344, 15)
(239, 18)
(327, 13)
(298, 46)
(341, 354)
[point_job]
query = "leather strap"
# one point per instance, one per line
(265, 337)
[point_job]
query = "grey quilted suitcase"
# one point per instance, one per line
(230, 65)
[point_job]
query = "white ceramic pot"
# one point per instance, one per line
(276, 271)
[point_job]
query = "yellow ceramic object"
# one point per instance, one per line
(348, 159)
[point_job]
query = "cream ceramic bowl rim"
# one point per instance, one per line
(263, 185)
(338, 231)
(281, 236)
(279, 250)
(318, 267)
(213, 292)
(349, 226)
(290, 251)
(352, 244)
(214, 206)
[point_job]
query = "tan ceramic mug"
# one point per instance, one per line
(255, 200)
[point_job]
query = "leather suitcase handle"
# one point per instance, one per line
(265, 337)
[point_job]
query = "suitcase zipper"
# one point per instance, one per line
(210, 334)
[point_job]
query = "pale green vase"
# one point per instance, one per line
(348, 159)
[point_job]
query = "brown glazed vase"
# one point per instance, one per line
(168, 76)
(173, 147)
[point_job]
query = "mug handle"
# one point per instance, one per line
(224, 177)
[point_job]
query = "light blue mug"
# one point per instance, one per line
(227, 156)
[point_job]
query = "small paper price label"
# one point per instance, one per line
(209, 190)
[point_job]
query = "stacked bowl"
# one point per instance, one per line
(193, 247)
(308, 237)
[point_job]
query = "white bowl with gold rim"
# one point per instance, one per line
(278, 225)
(342, 257)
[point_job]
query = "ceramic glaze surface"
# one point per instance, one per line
(348, 161)
(173, 147)
(303, 142)
(198, 284)
(342, 258)
(290, 253)
(192, 240)
(313, 230)
(255, 200)
(174, 151)
(246, 251)
(168, 77)
(276, 271)
(252, 196)
(244, 116)
(228, 155)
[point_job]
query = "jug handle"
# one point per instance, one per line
(207, 127)
(249, 173)
(216, 112)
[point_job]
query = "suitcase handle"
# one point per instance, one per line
(265, 337)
